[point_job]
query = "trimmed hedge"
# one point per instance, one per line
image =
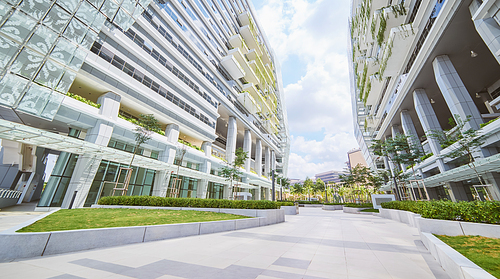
(309, 202)
(334, 203)
(359, 205)
(475, 211)
(189, 202)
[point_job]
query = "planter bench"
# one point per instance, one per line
(355, 210)
(25, 245)
(333, 207)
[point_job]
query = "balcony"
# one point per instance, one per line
(270, 127)
(249, 75)
(233, 67)
(236, 41)
(398, 46)
(250, 38)
(245, 18)
(248, 102)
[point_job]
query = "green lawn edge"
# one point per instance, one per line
(97, 218)
(483, 251)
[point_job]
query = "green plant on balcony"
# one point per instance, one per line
(190, 145)
(83, 100)
(426, 156)
(387, 55)
(398, 10)
(489, 122)
(381, 29)
(219, 158)
(136, 122)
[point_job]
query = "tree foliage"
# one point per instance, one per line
(468, 143)
(232, 171)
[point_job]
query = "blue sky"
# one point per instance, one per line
(310, 40)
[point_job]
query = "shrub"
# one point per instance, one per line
(359, 205)
(308, 202)
(334, 203)
(475, 211)
(189, 202)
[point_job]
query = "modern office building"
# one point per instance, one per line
(329, 176)
(416, 64)
(355, 158)
(76, 75)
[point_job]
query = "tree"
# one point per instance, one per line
(232, 171)
(146, 125)
(468, 141)
(297, 189)
(179, 157)
(284, 182)
(401, 150)
(308, 186)
(319, 186)
(358, 180)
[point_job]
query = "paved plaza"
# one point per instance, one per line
(314, 244)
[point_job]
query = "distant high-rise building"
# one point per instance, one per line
(330, 176)
(414, 66)
(355, 158)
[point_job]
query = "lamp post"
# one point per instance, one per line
(274, 194)
(326, 194)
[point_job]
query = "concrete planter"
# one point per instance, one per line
(455, 264)
(445, 227)
(291, 210)
(25, 245)
(310, 205)
(355, 210)
(333, 207)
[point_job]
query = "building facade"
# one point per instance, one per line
(415, 65)
(355, 158)
(329, 176)
(77, 74)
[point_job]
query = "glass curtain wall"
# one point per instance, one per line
(189, 186)
(56, 187)
(141, 182)
(215, 190)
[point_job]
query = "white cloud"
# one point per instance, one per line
(316, 32)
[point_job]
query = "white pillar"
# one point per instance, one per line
(258, 157)
(410, 131)
(273, 160)
(257, 194)
(247, 147)
(206, 166)
(429, 122)
(172, 133)
(454, 92)
(267, 162)
(232, 134)
(489, 30)
(87, 164)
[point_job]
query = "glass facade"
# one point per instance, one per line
(215, 190)
(58, 183)
(141, 181)
(188, 188)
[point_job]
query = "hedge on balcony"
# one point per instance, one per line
(189, 202)
(476, 211)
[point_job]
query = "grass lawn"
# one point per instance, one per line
(92, 218)
(483, 251)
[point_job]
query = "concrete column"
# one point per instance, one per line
(258, 157)
(458, 98)
(454, 92)
(110, 105)
(232, 134)
(273, 160)
(410, 131)
(247, 147)
(267, 162)
(489, 30)
(172, 133)
(459, 192)
(87, 164)
(257, 194)
(493, 178)
(206, 166)
(429, 122)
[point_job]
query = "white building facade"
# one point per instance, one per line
(77, 74)
(418, 63)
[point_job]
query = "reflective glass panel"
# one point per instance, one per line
(63, 52)
(52, 106)
(75, 31)
(57, 19)
(86, 13)
(27, 63)
(35, 8)
(69, 5)
(50, 74)
(18, 26)
(35, 99)
(109, 8)
(42, 40)
(11, 87)
(8, 49)
(66, 81)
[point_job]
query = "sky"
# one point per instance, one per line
(310, 41)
